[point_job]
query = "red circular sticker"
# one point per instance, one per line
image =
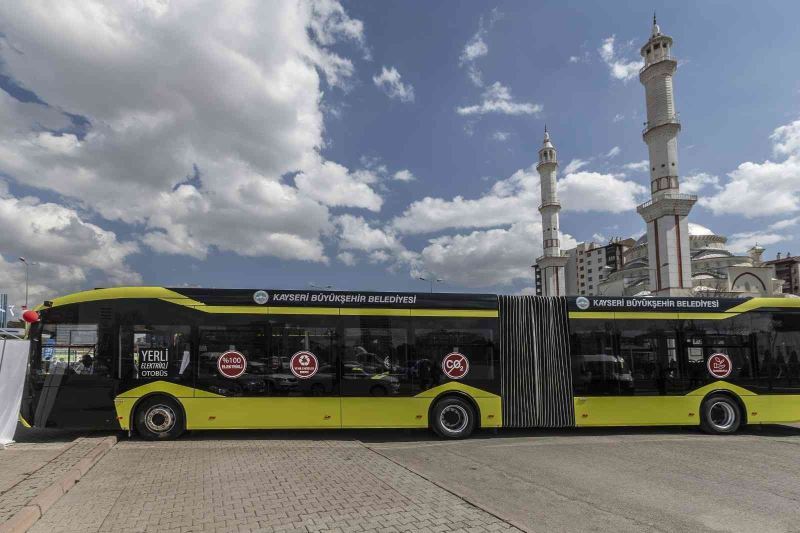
(304, 364)
(719, 365)
(232, 364)
(455, 365)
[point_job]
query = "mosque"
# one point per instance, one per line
(674, 257)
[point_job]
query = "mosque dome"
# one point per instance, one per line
(696, 230)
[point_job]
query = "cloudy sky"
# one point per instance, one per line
(362, 145)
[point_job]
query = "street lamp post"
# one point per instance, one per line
(25, 261)
(431, 280)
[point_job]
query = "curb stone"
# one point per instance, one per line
(26, 517)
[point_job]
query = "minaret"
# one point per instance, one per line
(551, 264)
(666, 212)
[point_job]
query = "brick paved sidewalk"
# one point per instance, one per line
(258, 485)
(28, 468)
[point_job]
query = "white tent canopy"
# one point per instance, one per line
(13, 363)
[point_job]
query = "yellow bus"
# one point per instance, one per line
(160, 361)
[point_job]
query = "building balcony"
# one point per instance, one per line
(672, 119)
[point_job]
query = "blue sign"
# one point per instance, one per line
(48, 349)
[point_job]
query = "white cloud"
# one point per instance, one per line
(379, 256)
(783, 224)
(347, 258)
(575, 165)
(764, 189)
(786, 139)
(477, 48)
(614, 152)
(404, 175)
(592, 191)
(154, 120)
(508, 201)
(67, 248)
(486, 257)
(640, 166)
(619, 68)
(697, 182)
(574, 59)
(740, 243)
(332, 184)
(497, 99)
(515, 200)
(355, 233)
(390, 82)
(500, 136)
(618, 117)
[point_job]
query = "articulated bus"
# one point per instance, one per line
(160, 361)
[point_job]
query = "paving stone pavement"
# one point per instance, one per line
(257, 485)
(26, 469)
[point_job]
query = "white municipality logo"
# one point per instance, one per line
(261, 297)
(582, 302)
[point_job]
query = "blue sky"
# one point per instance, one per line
(364, 144)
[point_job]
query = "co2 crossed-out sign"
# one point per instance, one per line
(232, 364)
(455, 365)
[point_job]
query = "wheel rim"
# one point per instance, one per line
(160, 418)
(454, 418)
(722, 415)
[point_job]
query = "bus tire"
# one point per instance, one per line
(159, 418)
(453, 418)
(720, 415)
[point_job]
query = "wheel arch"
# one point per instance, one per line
(730, 394)
(155, 394)
(456, 394)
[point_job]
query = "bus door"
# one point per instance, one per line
(154, 352)
(74, 376)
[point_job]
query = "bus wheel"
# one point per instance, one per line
(159, 418)
(720, 414)
(453, 418)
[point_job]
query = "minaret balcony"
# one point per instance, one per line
(544, 205)
(672, 119)
(657, 59)
(671, 203)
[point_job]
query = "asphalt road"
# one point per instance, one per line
(618, 480)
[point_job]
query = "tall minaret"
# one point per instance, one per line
(551, 264)
(666, 212)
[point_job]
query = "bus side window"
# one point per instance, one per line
(596, 369)
(375, 357)
(435, 338)
(777, 349)
(650, 351)
(729, 336)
